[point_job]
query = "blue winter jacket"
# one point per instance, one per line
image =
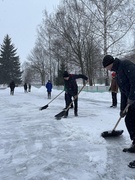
(49, 87)
(125, 71)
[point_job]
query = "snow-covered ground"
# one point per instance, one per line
(36, 146)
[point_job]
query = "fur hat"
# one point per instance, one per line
(108, 59)
(65, 74)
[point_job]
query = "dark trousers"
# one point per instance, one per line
(66, 101)
(114, 99)
(49, 94)
(11, 91)
(69, 100)
(130, 121)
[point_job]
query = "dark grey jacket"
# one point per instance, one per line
(125, 71)
(70, 85)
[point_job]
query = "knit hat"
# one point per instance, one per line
(65, 74)
(108, 59)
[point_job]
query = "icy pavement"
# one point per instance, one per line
(35, 146)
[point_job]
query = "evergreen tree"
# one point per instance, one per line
(59, 79)
(9, 63)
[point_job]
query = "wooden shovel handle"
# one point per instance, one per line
(125, 110)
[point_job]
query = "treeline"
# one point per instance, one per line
(76, 36)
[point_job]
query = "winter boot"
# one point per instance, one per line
(130, 149)
(76, 114)
(112, 106)
(132, 164)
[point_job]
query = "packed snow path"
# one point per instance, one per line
(35, 146)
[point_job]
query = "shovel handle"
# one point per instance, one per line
(125, 110)
(117, 123)
(56, 97)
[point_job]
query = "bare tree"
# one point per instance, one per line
(92, 61)
(46, 37)
(74, 31)
(27, 72)
(112, 20)
(39, 62)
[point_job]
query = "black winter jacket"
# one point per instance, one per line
(125, 71)
(12, 85)
(71, 85)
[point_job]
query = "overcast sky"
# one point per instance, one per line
(20, 19)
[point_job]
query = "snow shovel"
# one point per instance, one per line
(46, 106)
(114, 133)
(62, 113)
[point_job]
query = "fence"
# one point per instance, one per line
(88, 88)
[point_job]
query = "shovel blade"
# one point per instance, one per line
(44, 107)
(111, 133)
(60, 115)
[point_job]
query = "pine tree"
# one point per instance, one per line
(9, 63)
(59, 79)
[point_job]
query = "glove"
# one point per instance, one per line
(75, 97)
(122, 114)
(130, 102)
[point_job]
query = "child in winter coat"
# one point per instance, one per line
(12, 87)
(29, 87)
(25, 87)
(114, 90)
(49, 88)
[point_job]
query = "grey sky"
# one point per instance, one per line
(20, 18)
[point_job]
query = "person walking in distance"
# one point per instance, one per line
(25, 87)
(29, 87)
(72, 90)
(125, 77)
(114, 90)
(12, 87)
(49, 89)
